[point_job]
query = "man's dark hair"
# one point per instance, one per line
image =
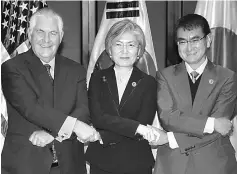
(192, 21)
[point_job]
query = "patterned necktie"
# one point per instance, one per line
(52, 148)
(55, 158)
(47, 66)
(194, 75)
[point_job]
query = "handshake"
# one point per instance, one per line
(153, 135)
(84, 132)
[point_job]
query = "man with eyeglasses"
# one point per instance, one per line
(196, 100)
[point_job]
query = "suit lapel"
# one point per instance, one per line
(133, 82)
(112, 85)
(60, 76)
(37, 71)
(182, 86)
(207, 83)
(41, 77)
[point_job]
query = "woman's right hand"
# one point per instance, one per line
(162, 137)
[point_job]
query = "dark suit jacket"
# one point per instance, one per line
(34, 104)
(121, 151)
(198, 153)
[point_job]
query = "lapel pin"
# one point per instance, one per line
(211, 81)
(134, 84)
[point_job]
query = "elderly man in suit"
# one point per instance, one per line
(196, 100)
(47, 105)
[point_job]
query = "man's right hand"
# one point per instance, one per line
(83, 131)
(222, 125)
(41, 138)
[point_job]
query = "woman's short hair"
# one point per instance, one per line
(47, 12)
(121, 27)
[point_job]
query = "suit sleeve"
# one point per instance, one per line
(81, 111)
(23, 98)
(187, 127)
(118, 126)
(101, 120)
(149, 105)
(146, 114)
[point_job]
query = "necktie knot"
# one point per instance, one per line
(194, 75)
(47, 66)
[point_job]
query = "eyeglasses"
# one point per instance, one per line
(192, 41)
(129, 46)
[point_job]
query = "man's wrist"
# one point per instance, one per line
(138, 131)
(210, 125)
(215, 123)
(171, 140)
(166, 137)
(75, 126)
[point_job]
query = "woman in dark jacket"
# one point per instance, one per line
(122, 101)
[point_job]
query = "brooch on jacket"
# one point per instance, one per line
(104, 79)
(134, 84)
(211, 81)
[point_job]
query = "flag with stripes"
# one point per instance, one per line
(14, 24)
(222, 18)
(115, 11)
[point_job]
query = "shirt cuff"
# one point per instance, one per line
(100, 139)
(209, 127)
(65, 131)
(172, 141)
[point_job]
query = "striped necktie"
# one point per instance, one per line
(52, 149)
(194, 75)
(47, 66)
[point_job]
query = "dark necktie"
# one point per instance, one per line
(55, 159)
(47, 66)
(194, 75)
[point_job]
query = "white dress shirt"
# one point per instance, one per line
(122, 82)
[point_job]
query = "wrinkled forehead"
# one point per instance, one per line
(47, 22)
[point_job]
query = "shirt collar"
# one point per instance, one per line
(51, 63)
(129, 72)
(199, 70)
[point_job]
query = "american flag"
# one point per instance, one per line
(15, 21)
